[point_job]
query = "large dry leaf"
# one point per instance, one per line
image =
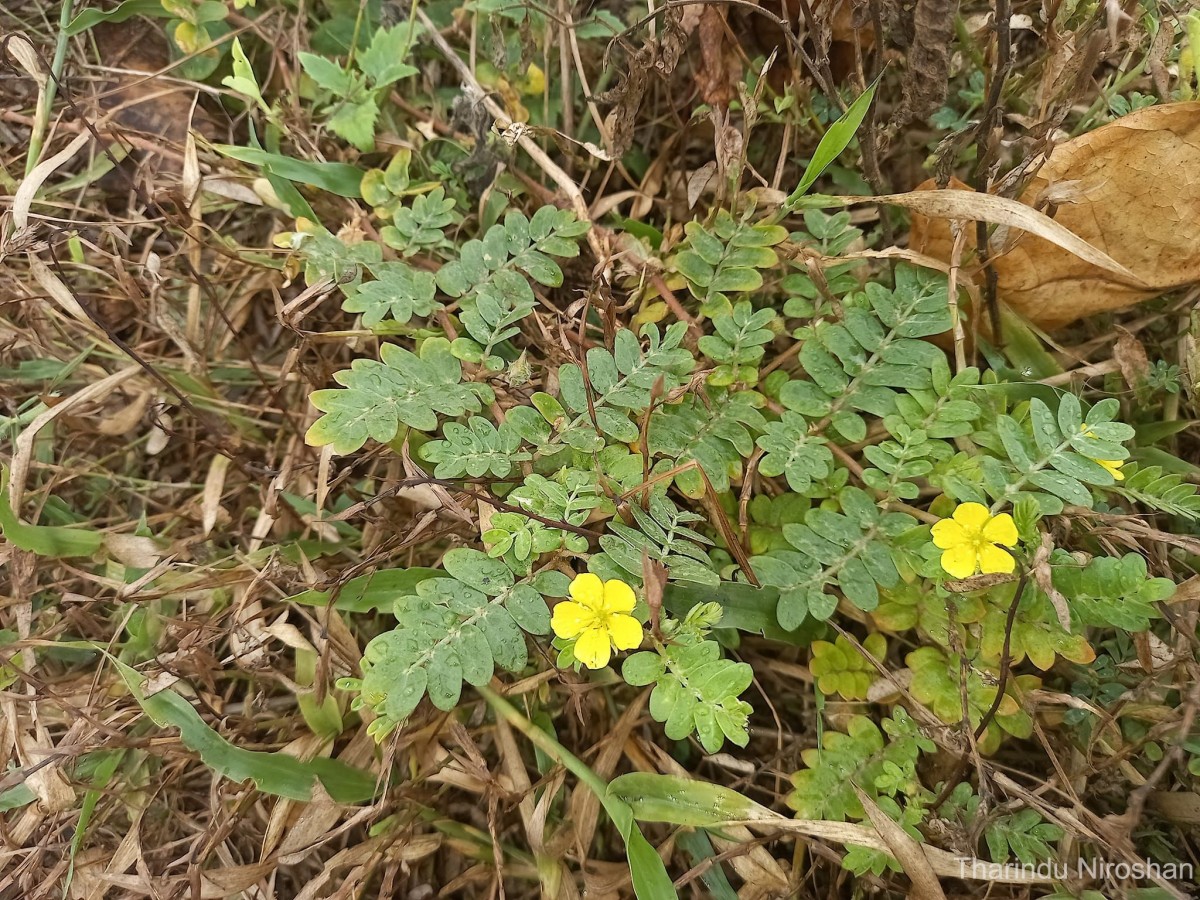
(1131, 189)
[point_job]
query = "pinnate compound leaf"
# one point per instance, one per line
(402, 389)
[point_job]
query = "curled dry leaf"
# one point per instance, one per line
(161, 108)
(1130, 189)
(1131, 359)
(720, 67)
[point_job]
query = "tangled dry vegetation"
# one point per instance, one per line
(904, 487)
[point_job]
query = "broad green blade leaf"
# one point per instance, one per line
(650, 878)
(272, 773)
(337, 178)
(744, 607)
(836, 139)
(51, 541)
(371, 592)
(1153, 432)
(122, 12)
(700, 849)
(1152, 456)
(291, 198)
(682, 801)
(15, 798)
(1024, 348)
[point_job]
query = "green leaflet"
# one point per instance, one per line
(738, 345)
(487, 277)
(910, 455)
(398, 290)
(848, 550)
(792, 451)
(385, 189)
(829, 234)
(401, 389)
(569, 497)
(477, 448)
(726, 260)
(272, 773)
(522, 244)
(860, 756)
(1113, 592)
(863, 363)
(662, 533)
(1052, 455)
(621, 383)
(1154, 487)
(1025, 835)
(419, 227)
(695, 690)
(716, 431)
(453, 629)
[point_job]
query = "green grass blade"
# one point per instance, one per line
(683, 801)
(835, 140)
(272, 773)
(51, 541)
(650, 878)
(122, 12)
(337, 178)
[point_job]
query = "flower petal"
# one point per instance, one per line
(570, 619)
(624, 631)
(618, 597)
(1113, 467)
(947, 533)
(972, 516)
(1001, 530)
(995, 560)
(588, 589)
(592, 648)
(959, 561)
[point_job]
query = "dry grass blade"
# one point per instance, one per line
(925, 884)
(969, 206)
(474, 350)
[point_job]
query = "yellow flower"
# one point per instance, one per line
(535, 81)
(1113, 466)
(969, 541)
(597, 616)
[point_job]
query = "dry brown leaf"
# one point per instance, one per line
(1182, 808)
(157, 106)
(720, 68)
(1131, 359)
(1131, 190)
